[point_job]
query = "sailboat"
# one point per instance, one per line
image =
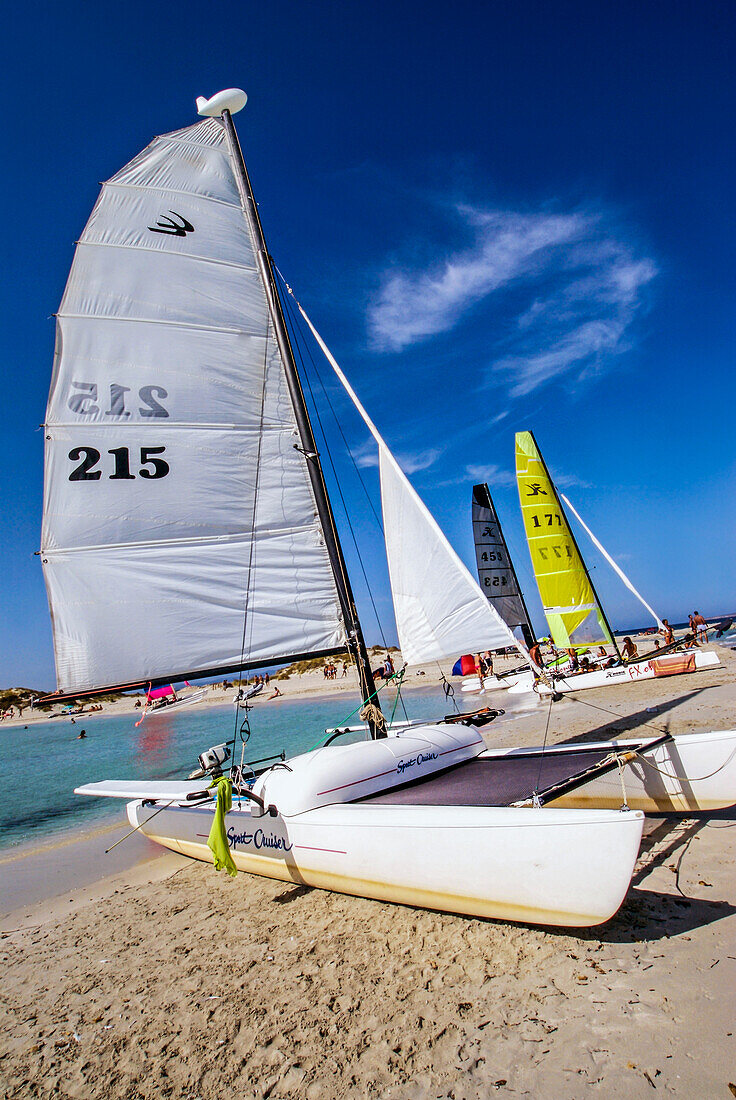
(188, 533)
(574, 612)
(165, 699)
(497, 578)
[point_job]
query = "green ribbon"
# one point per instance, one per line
(217, 840)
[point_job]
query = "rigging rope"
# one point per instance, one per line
(302, 349)
(359, 707)
(544, 743)
(244, 729)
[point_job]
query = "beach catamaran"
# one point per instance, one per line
(573, 610)
(188, 532)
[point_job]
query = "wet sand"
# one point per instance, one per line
(168, 980)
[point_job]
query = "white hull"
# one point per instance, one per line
(619, 674)
(696, 771)
(550, 866)
(182, 701)
(474, 685)
(404, 842)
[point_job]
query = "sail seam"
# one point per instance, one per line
(171, 139)
(158, 321)
(572, 608)
(200, 540)
(171, 191)
(155, 422)
(160, 252)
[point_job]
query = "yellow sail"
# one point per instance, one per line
(573, 613)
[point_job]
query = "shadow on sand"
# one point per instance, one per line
(652, 915)
(642, 722)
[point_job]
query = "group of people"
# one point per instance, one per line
(330, 670)
(386, 670)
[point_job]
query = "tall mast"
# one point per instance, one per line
(356, 641)
(582, 559)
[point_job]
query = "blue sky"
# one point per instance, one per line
(499, 217)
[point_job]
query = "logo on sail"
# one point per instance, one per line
(536, 490)
(176, 228)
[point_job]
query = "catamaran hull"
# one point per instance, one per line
(548, 867)
(183, 701)
(474, 685)
(668, 665)
(694, 772)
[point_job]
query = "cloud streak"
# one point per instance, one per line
(366, 456)
(575, 285)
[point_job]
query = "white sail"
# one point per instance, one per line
(171, 468)
(613, 564)
(440, 609)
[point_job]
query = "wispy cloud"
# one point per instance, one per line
(496, 476)
(570, 481)
(493, 474)
(580, 285)
(366, 455)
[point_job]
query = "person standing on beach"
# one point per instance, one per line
(668, 636)
(701, 627)
(629, 650)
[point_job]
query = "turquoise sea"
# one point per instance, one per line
(45, 762)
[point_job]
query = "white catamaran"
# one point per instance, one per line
(188, 532)
(574, 612)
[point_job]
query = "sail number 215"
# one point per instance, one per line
(151, 466)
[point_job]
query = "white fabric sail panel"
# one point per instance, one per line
(170, 438)
(102, 350)
(182, 601)
(439, 608)
(613, 564)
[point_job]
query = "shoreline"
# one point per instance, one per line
(649, 707)
(301, 686)
(36, 880)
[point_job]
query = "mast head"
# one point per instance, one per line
(231, 99)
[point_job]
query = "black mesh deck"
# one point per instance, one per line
(491, 781)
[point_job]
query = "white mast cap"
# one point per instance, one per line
(231, 99)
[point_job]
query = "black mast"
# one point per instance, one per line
(574, 542)
(356, 643)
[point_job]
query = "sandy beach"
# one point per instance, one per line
(167, 979)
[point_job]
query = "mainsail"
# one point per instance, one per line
(496, 573)
(573, 612)
(173, 466)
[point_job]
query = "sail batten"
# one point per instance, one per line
(176, 499)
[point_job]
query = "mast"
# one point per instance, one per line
(356, 643)
(582, 559)
(482, 499)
